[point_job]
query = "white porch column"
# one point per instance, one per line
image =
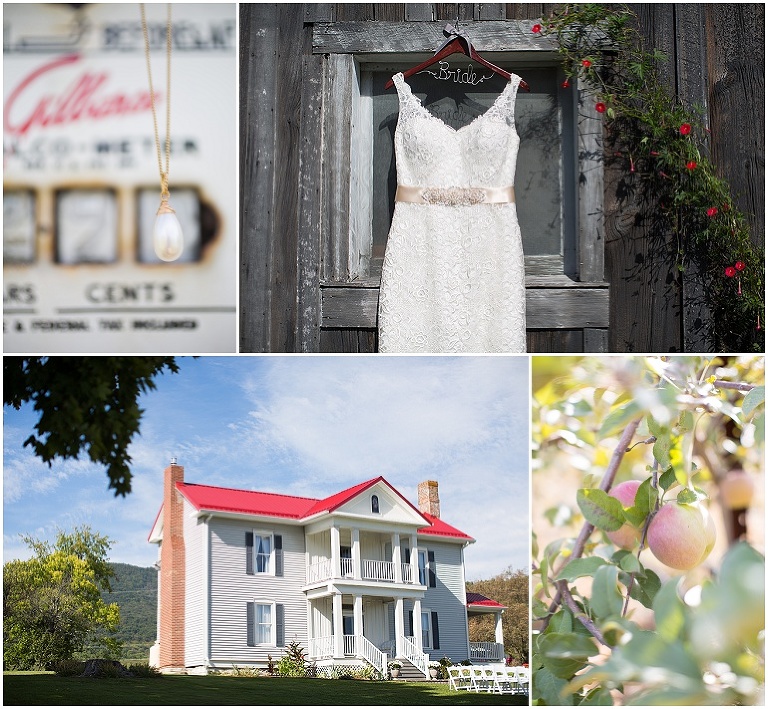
(310, 631)
(396, 556)
(358, 611)
(417, 629)
(338, 627)
(399, 626)
(499, 629)
(414, 560)
(356, 563)
(335, 553)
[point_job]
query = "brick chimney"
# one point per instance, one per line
(429, 500)
(172, 571)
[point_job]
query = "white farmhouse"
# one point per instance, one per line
(360, 577)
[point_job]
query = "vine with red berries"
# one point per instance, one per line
(663, 143)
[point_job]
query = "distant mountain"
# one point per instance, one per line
(134, 589)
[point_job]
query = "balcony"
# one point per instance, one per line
(371, 570)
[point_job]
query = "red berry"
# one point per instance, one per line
(536, 28)
(691, 165)
(586, 63)
(565, 84)
(685, 129)
(730, 271)
(739, 265)
(712, 211)
(600, 107)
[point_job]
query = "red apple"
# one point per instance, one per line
(681, 535)
(627, 536)
(736, 489)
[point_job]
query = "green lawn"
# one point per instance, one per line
(50, 689)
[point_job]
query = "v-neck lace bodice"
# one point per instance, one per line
(482, 153)
(453, 274)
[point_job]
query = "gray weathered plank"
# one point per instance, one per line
(546, 308)
(419, 12)
(319, 12)
(258, 57)
(310, 206)
(490, 11)
(337, 109)
(388, 37)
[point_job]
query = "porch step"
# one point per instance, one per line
(409, 672)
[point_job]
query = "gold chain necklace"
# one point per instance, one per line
(166, 234)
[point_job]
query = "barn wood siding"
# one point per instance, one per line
(716, 59)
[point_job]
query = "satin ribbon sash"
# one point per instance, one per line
(455, 196)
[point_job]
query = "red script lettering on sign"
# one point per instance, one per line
(84, 98)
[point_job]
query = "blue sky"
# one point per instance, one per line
(307, 426)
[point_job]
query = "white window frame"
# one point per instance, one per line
(272, 625)
(270, 571)
(426, 628)
(425, 568)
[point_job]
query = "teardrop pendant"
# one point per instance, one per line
(166, 235)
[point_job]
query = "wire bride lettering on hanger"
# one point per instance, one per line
(461, 75)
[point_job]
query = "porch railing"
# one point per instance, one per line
(372, 570)
(411, 653)
(319, 571)
(321, 647)
(354, 646)
(378, 570)
(486, 652)
(369, 652)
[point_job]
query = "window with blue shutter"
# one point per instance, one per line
(249, 552)
(278, 555)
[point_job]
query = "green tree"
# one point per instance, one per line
(86, 404)
(52, 602)
(510, 588)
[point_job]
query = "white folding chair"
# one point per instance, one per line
(458, 679)
(523, 679)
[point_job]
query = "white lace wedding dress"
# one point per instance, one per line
(453, 276)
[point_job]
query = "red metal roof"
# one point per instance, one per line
(442, 529)
(478, 599)
(269, 504)
(225, 499)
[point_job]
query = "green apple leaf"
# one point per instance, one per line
(600, 509)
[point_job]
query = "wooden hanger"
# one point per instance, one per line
(457, 43)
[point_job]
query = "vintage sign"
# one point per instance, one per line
(81, 184)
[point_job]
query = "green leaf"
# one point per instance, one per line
(598, 697)
(580, 567)
(752, 400)
(669, 612)
(618, 418)
(600, 509)
(686, 496)
(667, 479)
(606, 598)
(646, 587)
(645, 500)
(661, 449)
(561, 622)
(630, 563)
(564, 654)
(539, 609)
(685, 422)
(550, 688)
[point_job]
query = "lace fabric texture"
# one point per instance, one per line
(453, 277)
